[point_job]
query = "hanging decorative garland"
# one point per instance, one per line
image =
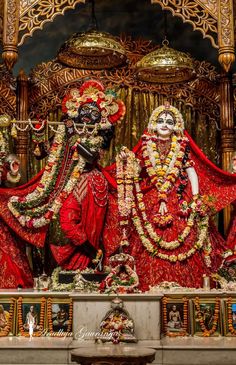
(230, 317)
(29, 210)
(128, 179)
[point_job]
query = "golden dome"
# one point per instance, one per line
(165, 65)
(92, 50)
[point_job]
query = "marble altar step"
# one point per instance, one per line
(169, 351)
(20, 350)
(197, 351)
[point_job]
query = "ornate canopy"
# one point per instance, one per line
(213, 18)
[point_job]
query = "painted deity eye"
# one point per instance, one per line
(170, 121)
(84, 109)
(160, 120)
(95, 113)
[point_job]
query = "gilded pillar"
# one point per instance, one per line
(226, 34)
(227, 130)
(22, 114)
(10, 32)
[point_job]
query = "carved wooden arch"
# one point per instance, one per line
(212, 17)
(7, 93)
(34, 14)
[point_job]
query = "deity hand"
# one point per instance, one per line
(124, 153)
(163, 208)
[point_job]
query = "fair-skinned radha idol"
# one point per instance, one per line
(167, 192)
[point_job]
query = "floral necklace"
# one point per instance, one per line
(125, 172)
(163, 174)
(127, 180)
(148, 235)
(30, 210)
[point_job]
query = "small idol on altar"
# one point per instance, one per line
(117, 325)
(122, 277)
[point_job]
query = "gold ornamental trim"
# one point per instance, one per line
(210, 5)
(226, 34)
(7, 92)
(25, 5)
(196, 14)
(10, 32)
(38, 13)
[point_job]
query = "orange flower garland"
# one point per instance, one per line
(206, 332)
(230, 317)
(49, 314)
(6, 330)
(41, 321)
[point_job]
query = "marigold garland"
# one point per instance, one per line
(163, 175)
(206, 332)
(230, 317)
(8, 327)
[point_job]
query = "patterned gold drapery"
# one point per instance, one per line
(139, 106)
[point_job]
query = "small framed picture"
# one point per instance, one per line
(206, 317)
(230, 317)
(175, 314)
(31, 316)
(7, 316)
(59, 317)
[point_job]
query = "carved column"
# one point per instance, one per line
(10, 32)
(227, 130)
(22, 114)
(226, 33)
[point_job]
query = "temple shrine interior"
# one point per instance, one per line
(117, 182)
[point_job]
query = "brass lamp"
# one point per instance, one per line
(92, 50)
(165, 65)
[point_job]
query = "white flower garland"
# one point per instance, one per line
(128, 179)
(50, 170)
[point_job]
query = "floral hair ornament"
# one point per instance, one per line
(92, 91)
(168, 108)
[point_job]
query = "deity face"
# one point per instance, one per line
(165, 124)
(89, 113)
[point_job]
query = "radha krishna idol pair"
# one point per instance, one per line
(150, 204)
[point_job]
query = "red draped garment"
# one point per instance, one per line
(153, 270)
(82, 219)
